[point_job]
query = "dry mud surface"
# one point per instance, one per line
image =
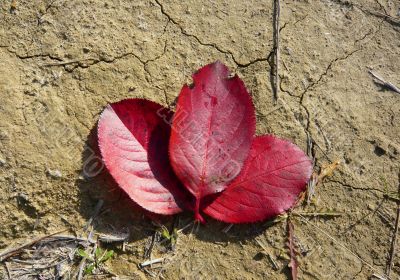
(62, 61)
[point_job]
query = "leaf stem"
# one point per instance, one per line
(197, 215)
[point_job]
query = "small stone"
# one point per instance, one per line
(371, 206)
(82, 177)
(56, 174)
(30, 93)
(3, 135)
(288, 51)
(2, 161)
(70, 67)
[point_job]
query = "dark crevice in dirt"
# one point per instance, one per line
(213, 45)
(364, 36)
(332, 62)
(281, 78)
(358, 273)
(370, 32)
(299, 20)
(283, 27)
(94, 61)
(320, 78)
(328, 68)
(286, 24)
(381, 6)
(145, 63)
(86, 63)
(306, 127)
(382, 15)
(314, 84)
(82, 64)
(311, 86)
(355, 188)
(23, 57)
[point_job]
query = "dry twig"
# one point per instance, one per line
(82, 264)
(63, 63)
(270, 257)
(95, 213)
(74, 238)
(154, 237)
(8, 270)
(293, 260)
(150, 262)
(384, 83)
(227, 228)
(275, 76)
(326, 171)
(394, 238)
(13, 251)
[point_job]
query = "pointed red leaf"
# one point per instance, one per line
(275, 174)
(133, 141)
(212, 130)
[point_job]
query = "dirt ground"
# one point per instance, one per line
(62, 61)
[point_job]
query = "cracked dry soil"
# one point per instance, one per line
(62, 61)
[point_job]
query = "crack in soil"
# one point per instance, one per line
(23, 57)
(155, 58)
(87, 62)
(213, 45)
(384, 16)
(327, 69)
(316, 82)
(356, 188)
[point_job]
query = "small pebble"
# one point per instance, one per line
(371, 206)
(3, 135)
(30, 93)
(2, 162)
(54, 173)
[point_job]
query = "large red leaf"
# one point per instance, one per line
(133, 141)
(212, 130)
(276, 173)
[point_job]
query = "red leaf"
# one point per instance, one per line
(212, 131)
(133, 141)
(276, 173)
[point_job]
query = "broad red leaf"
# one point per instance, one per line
(212, 130)
(133, 141)
(275, 174)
